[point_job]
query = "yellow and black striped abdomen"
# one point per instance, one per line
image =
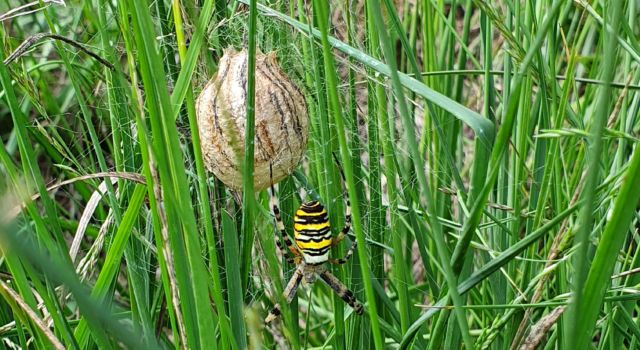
(312, 232)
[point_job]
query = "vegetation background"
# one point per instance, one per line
(489, 149)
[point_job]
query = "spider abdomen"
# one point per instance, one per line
(312, 232)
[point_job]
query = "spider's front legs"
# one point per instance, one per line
(342, 235)
(293, 254)
(289, 293)
(347, 223)
(343, 292)
(297, 256)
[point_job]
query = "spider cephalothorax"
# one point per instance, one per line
(313, 241)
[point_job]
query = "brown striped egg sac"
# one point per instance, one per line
(281, 120)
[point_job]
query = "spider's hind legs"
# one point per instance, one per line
(289, 293)
(342, 291)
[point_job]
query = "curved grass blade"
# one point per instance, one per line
(418, 163)
(113, 259)
(483, 128)
(489, 268)
(97, 313)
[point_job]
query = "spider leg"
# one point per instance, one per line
(343, 292)
(346, 256)
(280, 227)
(347, 214)
(346, 228)
(289, 293)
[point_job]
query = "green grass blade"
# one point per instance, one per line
(611, 242)
(111, 267)
(425, 193)
(205, 211)
(234, 283)
(184, 236)
(586, 294)
(483, 128)
(183, 83)
(103, 323)
(335, 110)
(484, 272)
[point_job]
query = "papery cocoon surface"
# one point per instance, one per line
(281, 120)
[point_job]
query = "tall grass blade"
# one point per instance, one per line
(587, 293)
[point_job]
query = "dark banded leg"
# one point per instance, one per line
(343, 292)
(347, 214)
(346, 256)
(280, 226)
(347, 226)
(289, 293)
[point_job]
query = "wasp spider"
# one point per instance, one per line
(313, 240)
